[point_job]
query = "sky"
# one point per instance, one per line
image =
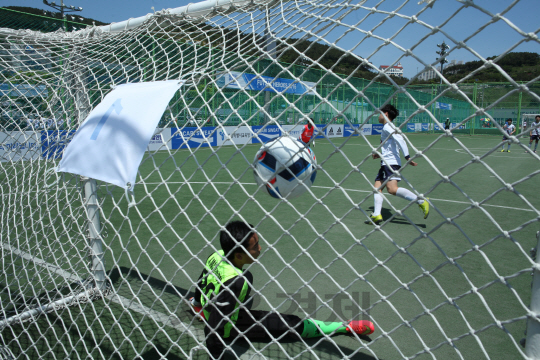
(495, 39)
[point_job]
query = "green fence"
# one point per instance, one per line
(349, 99)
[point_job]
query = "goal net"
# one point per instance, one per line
(89, 269)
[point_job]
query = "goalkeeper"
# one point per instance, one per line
(222, 291)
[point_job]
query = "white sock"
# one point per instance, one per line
(378, 199)
(407, 195)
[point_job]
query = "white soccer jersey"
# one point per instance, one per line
(510, 128)
(535, 131)
(392, 142)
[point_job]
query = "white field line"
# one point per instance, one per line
(167, 320)
(353, 190)
(320, 187)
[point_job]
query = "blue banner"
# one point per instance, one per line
(265, 134)
(443, 106)
(410, 127)
(238, 80)
(53, 142)
(192, 137)
(425, 127)
(376, 129)
(320, 132)
(348, 130)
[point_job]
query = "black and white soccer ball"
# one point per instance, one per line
(285, 167)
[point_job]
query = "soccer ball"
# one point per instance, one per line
(286, 167)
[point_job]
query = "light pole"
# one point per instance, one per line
(442, 53)
(62, 8)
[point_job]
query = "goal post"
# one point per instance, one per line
(90, 269)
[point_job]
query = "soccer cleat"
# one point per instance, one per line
(374, 220)
(361, 327)
(425, 208)
(502, 150)
(196, 309)
(507, 150)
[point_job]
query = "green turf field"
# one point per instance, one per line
(452, 286)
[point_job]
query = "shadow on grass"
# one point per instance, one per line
(387, 214)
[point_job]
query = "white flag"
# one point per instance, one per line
(111, 142)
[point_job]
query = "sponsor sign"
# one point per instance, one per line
(19, 145)
(334, 131)
(411, 127)
(437, 127)
(443, 106)
(26, 90)
(376, 129)
(318, 133)
(349, 130)
(264, 134)
(161, 140)
(367, 129)
(53, 143)
(294, 131)
(192, 137)
(425, 127)
(229, 135)
(238, 80)
(418, 127)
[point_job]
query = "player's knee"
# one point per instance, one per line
(392, 191)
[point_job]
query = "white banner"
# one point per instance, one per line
(161, 140)
(111, 142)
(19, 145)
(366, 129)
(229, 135)
(334, 131)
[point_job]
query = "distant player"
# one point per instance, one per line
(535, 133)
(447, 124)
(392, 143)
(510, 130)
(524, 125)
(223, 293)
(307, 133)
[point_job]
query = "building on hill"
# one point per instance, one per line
(431, 74)
(396, 70)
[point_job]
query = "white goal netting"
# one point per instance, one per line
(88, 270)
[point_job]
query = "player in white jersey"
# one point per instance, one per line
(510, 130)
(392, 143)
(535, 133)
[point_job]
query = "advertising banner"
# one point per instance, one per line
(334, 131)
(53, 142)
(238, 80)
(19, 145)
(425, 127)
(376, 129)
(229, 135)
(418, 127)
(192, 137)
(367, 129)
(319, 132)
(294, 131)
(161, 140)
(349, 130)
(264, 134)
(411, 127)
(443, 106)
